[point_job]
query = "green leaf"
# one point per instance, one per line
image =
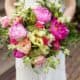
(3, 32)
(52, 62)
(27, 60)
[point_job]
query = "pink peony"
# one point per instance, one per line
(59, 30)
(18, 54)
(5, 22)
(17, 31)
(42, 14)
(39, 61)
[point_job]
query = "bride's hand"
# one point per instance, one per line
(70, 7)
(9, 7)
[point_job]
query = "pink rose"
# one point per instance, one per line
(18, 54)
(39, 61)
(5, 22)
(42, 14)
(17, 31)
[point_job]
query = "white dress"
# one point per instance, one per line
(26, 72)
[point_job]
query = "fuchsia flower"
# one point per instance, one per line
(42, 14)
(58, 29)
(17, 31)
(5, 22)
(18, 54)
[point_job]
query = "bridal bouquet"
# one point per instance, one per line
(38, 34)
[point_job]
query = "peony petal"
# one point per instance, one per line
(17, 31)
(43, 14)
(18, 54)
(58, 29)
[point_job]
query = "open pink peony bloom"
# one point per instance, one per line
(5, 22)
(18, 54)
(17, 31)
(58, 29)
(42, 14)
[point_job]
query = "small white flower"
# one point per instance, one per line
(66, 51)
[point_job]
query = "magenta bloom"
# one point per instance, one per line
(42, 14)
(17, 31)
(18, 54)
(58, 29)
(13, 41)
(56, 45)
(5, 22)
